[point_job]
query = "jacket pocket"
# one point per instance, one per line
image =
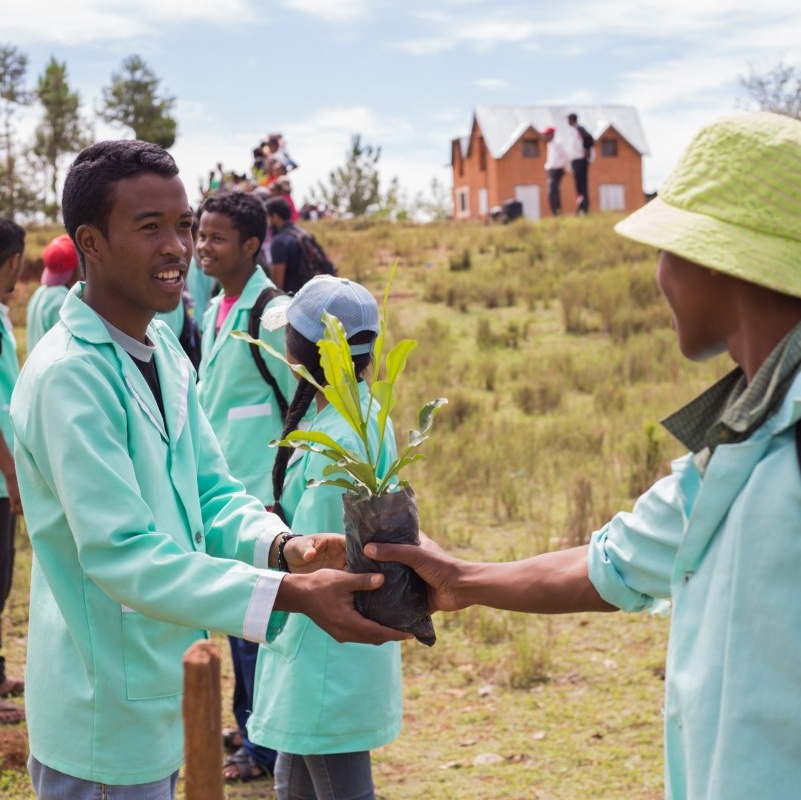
(288, 642)
(153, 655)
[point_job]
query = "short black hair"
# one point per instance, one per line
(88, 195)
(245, 210)
(279, 206)
(572, 117)
(12, 239)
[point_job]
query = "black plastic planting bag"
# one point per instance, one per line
(401, 602)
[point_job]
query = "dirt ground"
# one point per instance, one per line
(13, 747)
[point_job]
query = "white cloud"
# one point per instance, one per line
(712, 23)
(83, 21)
(491, 83)
(331, 10)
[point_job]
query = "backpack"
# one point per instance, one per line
(254, 325)
(587, 140)
(190, 331)
(313, 260)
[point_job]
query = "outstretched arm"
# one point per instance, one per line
(551, 583)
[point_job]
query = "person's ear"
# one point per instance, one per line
(251, 246)
(89, 238)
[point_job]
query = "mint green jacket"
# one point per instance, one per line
(9, 372)
(239, 403)
(42, 312)
(312, 694)
(725, 548)
(134, 525)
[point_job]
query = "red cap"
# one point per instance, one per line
(60, 260)
(549, 130)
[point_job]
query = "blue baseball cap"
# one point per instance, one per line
(352, 304)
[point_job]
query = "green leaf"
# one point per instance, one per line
(397, 465)
(298, 369)
(425, 417)
(343, 483)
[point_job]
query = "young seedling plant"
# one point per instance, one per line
(352, 471)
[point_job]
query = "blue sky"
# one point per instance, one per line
(406, 76)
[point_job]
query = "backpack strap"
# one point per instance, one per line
(254, 326)
(798, 441)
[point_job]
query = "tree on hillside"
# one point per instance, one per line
(13, 65)
(133, 100)
(777, 90)
(61, 130)
(30, 187)
(437, 206)
(354, 187)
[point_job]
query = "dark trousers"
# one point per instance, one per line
(8, 526)
(554, 193)
(243, 655)
(580, 168)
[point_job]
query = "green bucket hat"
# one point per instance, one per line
(733, 202)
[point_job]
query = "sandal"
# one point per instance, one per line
(232, 739)
(11, 713)
(11, 687)
(247, 769)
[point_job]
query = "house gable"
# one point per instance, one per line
(505, 156)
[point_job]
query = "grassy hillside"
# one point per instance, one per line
(555, 351)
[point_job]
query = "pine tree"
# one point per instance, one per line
(13, 65)
(133, 100)
(61, 130)
(354, 187)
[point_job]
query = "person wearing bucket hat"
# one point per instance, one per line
(60, 272)
(720, 537)
(323, 705)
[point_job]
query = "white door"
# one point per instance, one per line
(483, 203)
(529, 196)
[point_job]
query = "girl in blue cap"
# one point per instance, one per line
(321, 704)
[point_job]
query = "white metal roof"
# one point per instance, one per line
(502, 126)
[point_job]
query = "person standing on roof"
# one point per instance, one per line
(556, 162)
(579, 148)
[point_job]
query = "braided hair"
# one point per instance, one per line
(308, 355)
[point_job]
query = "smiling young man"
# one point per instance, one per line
(720, 537)
(242, 407)
(138, 531)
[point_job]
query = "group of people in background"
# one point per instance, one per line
(146, 494)
(268, 177)
(573, 154)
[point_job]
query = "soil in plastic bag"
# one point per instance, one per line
(401, 602)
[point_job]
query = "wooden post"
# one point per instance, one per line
(203, 722)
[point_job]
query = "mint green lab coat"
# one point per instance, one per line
(42, 312)
(314, 695)
(9, 371)
(239, 403)
(134, 525)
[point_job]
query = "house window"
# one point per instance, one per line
(482, 157)
(613, 197)
(463, 202)
(531, 148)
(609, 148)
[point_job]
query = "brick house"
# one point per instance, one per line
(502, 159)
